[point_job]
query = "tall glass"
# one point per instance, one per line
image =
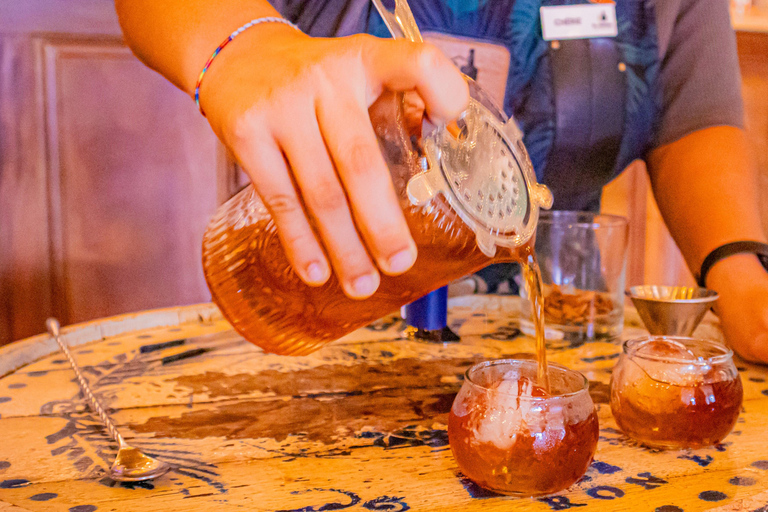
(509, 436)
(675, 392)
(583, 259)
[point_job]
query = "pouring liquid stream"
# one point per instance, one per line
(532, 277)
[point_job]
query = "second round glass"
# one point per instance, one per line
(673, 392)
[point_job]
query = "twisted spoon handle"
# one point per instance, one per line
(54, 329)
(400, 23)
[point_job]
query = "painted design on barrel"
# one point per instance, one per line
(44, 496)
(375, 370)
(712, 496)
(82, 437)
(14, 483)
(86, 443)
(351, 499)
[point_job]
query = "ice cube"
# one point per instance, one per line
(664, 348)
(670, 362)
(504, 415)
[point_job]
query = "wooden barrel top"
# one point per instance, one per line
(359, 425)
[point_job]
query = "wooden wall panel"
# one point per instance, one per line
(625, 196)
(132, 182)
(753, 58)
(25, 292)
(108, 174)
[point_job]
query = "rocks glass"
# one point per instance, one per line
(509, 436)
(582, 257)
(675, 392)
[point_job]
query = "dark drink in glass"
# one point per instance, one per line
(510, 436)
(675, 392)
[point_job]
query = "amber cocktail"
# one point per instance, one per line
(509, 436)
(675, 392)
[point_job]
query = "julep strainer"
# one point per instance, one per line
(479, 163)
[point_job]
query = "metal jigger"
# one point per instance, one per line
(671, 310)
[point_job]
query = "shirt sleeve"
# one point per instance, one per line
(700, 76)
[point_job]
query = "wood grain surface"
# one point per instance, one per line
(359, 425)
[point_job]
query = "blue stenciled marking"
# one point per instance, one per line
(742, 481)
(354, 499)
(560, 503)
(604, 468)
(389, 503)
(605, 492)
(701, 461)
(45, 496)
(83, 508)
(474, 490)
(712, 496)
(646, 480)
(605, 357)
(13, 483)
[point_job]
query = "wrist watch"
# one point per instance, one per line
(745, 246)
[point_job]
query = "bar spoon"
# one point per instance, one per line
(130, 465)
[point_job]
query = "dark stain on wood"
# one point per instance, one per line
(362, 377)
(315, 418)
(319, 403)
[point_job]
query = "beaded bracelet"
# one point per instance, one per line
(270, 19)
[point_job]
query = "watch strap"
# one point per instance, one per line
(729, 249)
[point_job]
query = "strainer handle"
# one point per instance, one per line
(400, 23)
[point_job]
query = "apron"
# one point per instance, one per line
(587, 107)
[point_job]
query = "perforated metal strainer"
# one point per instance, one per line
(479, 164)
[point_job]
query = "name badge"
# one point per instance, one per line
(582, 21)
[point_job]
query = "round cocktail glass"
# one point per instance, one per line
(675, 392)
(510, 437)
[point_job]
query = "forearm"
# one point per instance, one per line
(176, 37)
(707, 190)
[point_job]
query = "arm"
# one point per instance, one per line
(703, 179)
(294, 111)
(707, 190)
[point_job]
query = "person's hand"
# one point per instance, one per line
(294, 111)
(742, 284)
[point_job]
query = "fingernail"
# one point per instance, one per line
(364, 285)
(401, 261)
(315, 273)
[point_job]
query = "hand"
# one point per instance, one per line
(294, 111)
(742, 283)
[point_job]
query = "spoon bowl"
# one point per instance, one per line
(131, 465)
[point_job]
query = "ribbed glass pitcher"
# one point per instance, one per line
(469, 195)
